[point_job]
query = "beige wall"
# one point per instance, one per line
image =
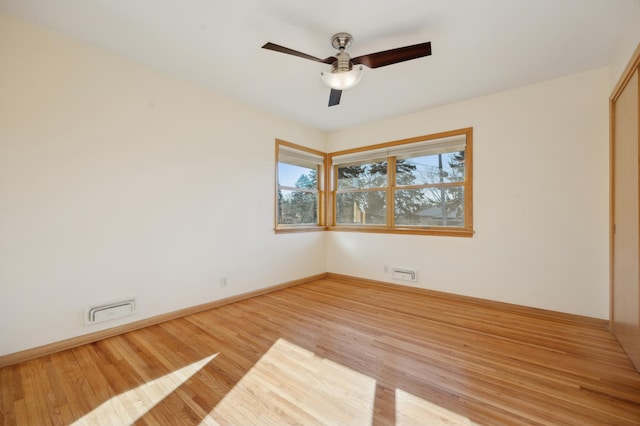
(116, 180)
(540, 200)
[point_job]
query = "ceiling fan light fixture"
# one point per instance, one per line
(342, 80)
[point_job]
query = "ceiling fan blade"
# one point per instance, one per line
(393, 56)
(334, 97)
(282, 49)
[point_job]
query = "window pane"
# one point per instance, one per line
(368, 175)
(297, 176)
(361, 208)
(430, 207)
(297, 208)
(436, 168)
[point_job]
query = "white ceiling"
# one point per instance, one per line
(479, 46)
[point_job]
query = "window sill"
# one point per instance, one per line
(444, 232)
(292, 229)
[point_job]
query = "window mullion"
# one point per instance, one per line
(351, 191)
(334, 192)
(391, 186)
(433, 185)
(321, 193)
(298, 189)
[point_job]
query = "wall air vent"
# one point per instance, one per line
(404, 274)
(108, 311)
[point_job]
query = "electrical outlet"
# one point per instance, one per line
(223, 282)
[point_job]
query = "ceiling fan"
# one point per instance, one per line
(346, 71)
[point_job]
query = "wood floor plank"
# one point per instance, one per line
(431, 357)
(70, 382)
(10, 396)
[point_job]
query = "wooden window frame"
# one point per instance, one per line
(320, 190)
(390, 227)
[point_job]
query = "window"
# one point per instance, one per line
(299, 188)
(416, 186)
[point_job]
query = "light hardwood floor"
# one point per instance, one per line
(337, 352)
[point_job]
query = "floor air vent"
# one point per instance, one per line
(109, 311)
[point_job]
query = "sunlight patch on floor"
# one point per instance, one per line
(412, 410)
(288, 385)
(129, 406)
(291, 385)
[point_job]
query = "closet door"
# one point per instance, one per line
(625, 291)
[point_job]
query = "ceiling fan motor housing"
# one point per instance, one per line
(343, 63)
